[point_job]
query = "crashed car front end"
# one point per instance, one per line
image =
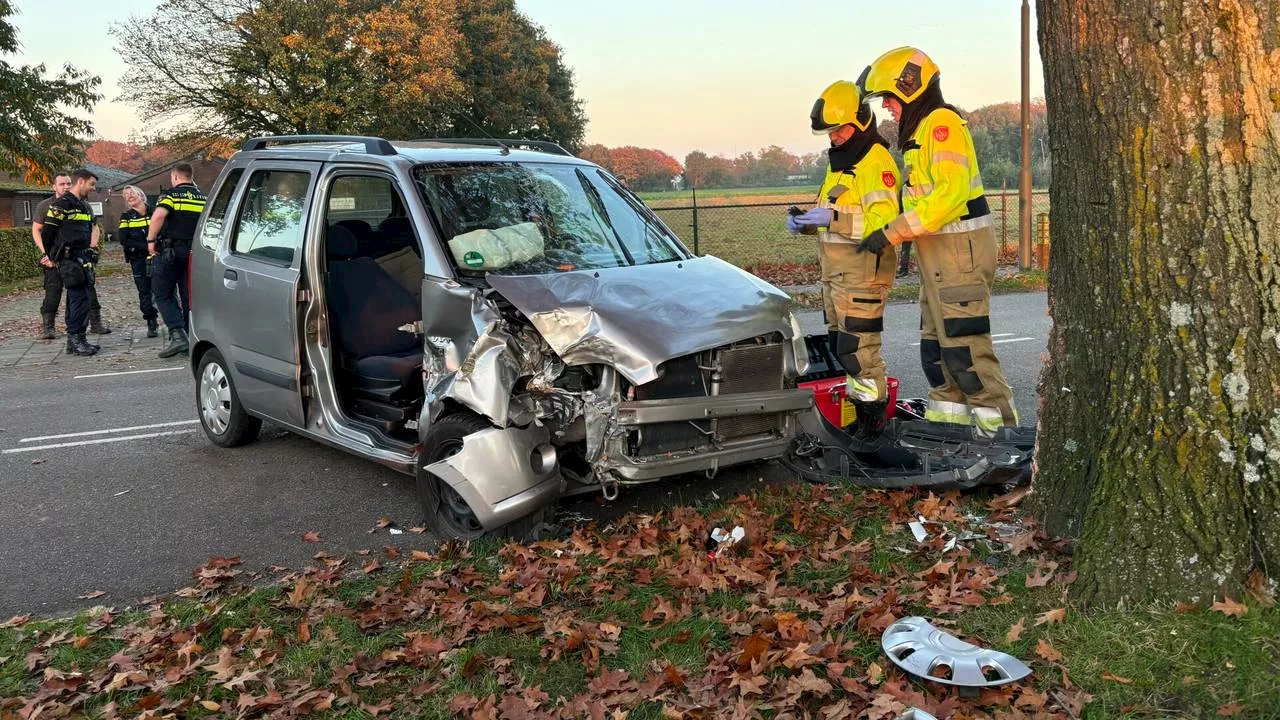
(623, 375)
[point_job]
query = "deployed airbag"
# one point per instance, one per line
(497, 249)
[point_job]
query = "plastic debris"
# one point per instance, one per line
(915, 714)
(395, 531)
(925, 651)
(721, 540)
(917, 529)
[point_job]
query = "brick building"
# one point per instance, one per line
(18, 201)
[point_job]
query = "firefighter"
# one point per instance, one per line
(169, 236)
(947, 217)
(133, 238)
(66, 235)
(858, 196)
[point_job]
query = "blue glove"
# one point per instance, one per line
(793, 224)
(817, 217)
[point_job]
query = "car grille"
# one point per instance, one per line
(751, 368)
(732, 428)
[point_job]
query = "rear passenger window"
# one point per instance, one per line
(271, 215)
(217, 215)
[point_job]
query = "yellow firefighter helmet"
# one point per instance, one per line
(904, 73)
(840, 104)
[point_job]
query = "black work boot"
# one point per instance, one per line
(95, 324)
(76, 345)
(869, 426)
(177, 344)
(153, 328)
(46, 326)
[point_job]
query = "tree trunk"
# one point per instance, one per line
(1160, 432)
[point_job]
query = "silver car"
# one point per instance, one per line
(503, 321)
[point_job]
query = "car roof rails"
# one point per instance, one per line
(545, 146)
(372, 145)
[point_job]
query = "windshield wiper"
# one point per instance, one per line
(594, 194)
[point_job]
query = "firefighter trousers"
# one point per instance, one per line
(959, 361)
(855, 287)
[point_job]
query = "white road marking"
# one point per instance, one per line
(108, 431)
(1009, 340)
(98, 441)
(996, 335)
(125, 372)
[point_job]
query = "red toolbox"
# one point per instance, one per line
(830, 395)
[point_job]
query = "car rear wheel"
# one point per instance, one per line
(223, 418)
(445, 512)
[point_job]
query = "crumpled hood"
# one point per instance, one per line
(635, 318)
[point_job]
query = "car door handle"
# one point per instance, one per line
(230, 274)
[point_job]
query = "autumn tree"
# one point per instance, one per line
(37, 135)
(643, 168)
(406, 69)
(125, 156)
(1159, 443)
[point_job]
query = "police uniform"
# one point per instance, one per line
(183, 204)
(66, 235)
(133, 239)
(53, 289)
(946, 215)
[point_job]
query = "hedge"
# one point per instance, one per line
(18, 255)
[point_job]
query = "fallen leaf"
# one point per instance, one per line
(1021, 543)
(1053, 616)
(1230, 710)
(1035, 579)
(1067, 579)
(91, 595)
(210, 705)
(1009, 500)
(673, 676)
(392, 552)
(1259, 588)
(1045, 650)
(1229, 607)
(753, 651)
(311, 536)
(40, 461)
(1184, 607)
(371, 566)
(304, 632)
(1116, 678)
(16, 621)
(808, 683)
(420, 556)
(1015, 631)
(875, 674)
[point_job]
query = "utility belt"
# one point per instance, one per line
(75, 267)
(166, 248)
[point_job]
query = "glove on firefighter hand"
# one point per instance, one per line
(793, 224)
(875, 242)
(817, 217)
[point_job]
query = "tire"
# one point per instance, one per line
(444, 512)
(224, 420)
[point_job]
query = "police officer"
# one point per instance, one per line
(858, 197)
(133, 239)
(66, 234)
(947, 216)
(169, 236)
(52, 281)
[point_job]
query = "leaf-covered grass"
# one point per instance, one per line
(636, 617)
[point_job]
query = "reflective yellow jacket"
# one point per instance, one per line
(944, 192)
(865, 198)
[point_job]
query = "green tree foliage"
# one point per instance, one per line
(997, 139)
(37, 135)
(400, 69)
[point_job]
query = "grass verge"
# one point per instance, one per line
(636, 618)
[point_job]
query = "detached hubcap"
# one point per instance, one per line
(215, 398)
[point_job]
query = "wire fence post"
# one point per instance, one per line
(694, 189)
(1004, 217)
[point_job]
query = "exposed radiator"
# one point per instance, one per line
(751, 368)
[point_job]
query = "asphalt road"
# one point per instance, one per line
(136, 497)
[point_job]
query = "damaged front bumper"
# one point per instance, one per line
(503, 474)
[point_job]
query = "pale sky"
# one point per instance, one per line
(724, 76)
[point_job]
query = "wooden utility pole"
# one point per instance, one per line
(1024, 187)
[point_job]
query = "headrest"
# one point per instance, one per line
(396, 226)
(361, 229)
(341, 243)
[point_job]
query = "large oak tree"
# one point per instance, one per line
(1160, 434)
(396, 68)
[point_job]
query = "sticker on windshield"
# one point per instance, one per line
(473, 259)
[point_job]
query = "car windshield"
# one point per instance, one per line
(538, 218)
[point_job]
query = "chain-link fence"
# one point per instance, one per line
(749, 230)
